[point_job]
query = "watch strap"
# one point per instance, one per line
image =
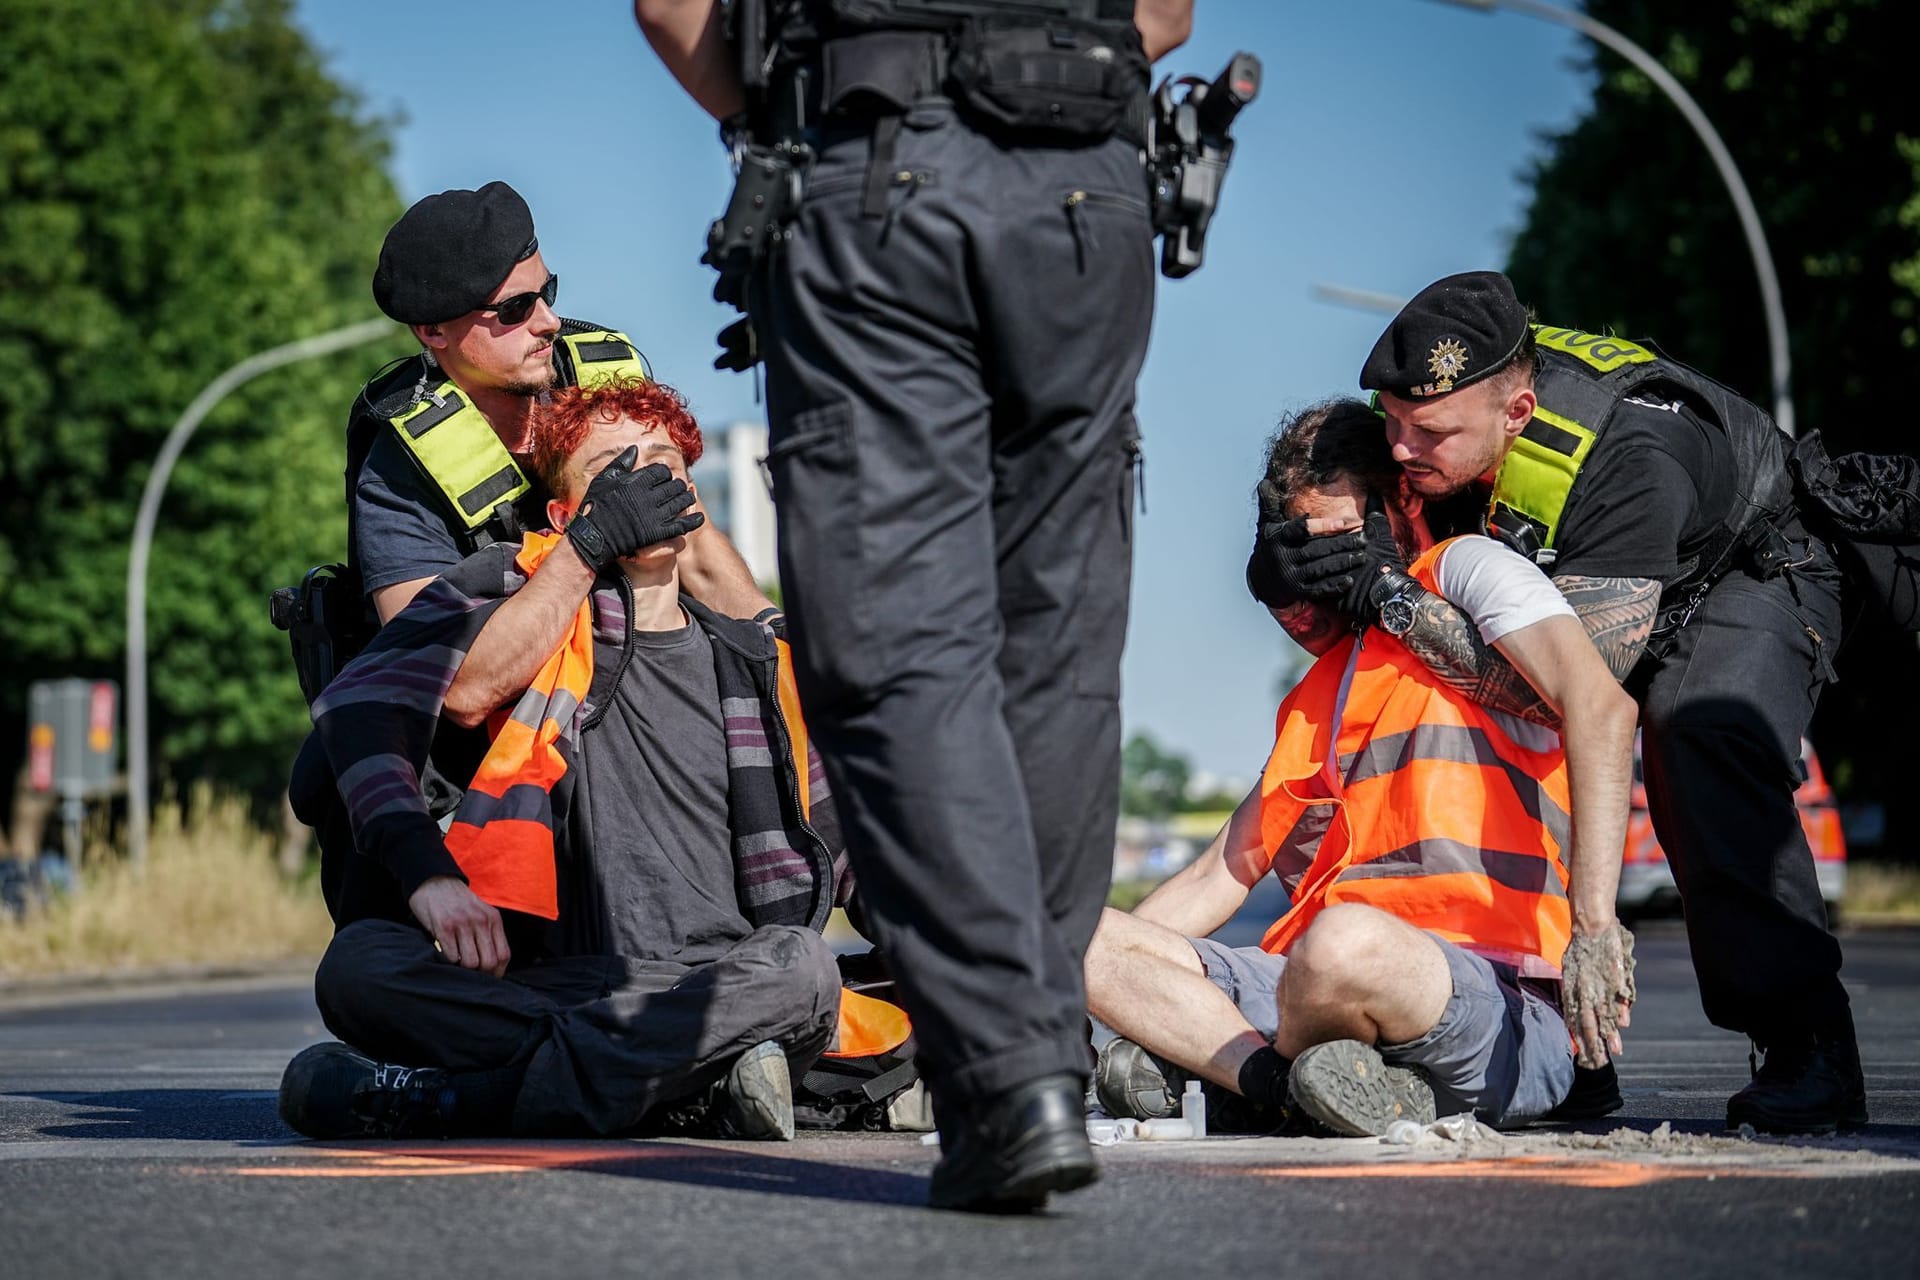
(589, 541)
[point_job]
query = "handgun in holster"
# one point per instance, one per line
(326, 622)
(1187, 155)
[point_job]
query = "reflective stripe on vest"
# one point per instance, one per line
(598, 356)
(1439, 817)
(457, 448)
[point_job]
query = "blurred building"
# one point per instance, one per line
(732, 479)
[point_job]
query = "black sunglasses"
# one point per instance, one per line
(515, 310)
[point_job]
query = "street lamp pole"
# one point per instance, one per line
(1600, 33)
(1359, 299)
(138, 817)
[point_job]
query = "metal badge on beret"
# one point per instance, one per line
(1446, 362)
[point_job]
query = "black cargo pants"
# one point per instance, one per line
(1722, 717)
(951, 386)
(604, 1039)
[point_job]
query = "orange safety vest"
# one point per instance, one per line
(1440, 817)
(508, 857)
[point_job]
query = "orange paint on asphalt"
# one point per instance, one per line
(1600, 1174)
(442, 1160)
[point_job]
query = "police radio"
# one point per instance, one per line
(1518, 533)
(1188, 151)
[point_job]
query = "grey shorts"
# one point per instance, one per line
(1500, 1050)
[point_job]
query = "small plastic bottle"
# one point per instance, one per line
(1193, 1108)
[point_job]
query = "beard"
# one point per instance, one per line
(1456, 478)
(529, 387)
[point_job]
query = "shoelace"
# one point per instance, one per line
(398, 1094)
(1780, 1060)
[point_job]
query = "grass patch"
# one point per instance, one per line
(210, 895)
(1125, 895)
(1881, 891)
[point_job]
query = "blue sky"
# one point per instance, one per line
(1386, 150)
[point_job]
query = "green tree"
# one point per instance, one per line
(1153, 780)
(1631, 231)
(181, 184)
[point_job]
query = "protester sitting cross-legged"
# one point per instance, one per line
(1451, 870)
(621, 925)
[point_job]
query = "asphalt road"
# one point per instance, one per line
(138, 1138)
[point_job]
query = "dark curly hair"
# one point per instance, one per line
(1339, 437)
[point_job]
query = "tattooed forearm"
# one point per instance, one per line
(1448, 642)
(1618, 614)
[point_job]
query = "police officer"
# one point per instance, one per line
(1661, 504)
(952, 334)
(437, 443)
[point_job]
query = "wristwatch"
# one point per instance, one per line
(1394, 596)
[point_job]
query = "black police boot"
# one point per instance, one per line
(1595, 1093)
(330, 1091)
(1805, 1082)
(1008, 1153)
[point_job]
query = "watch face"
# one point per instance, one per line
(1396, 616)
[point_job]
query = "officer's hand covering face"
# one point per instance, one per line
(1337, 507)
(656, 493)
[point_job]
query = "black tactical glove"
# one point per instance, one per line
(1382, 570)
(625, 510)
(1289, 564)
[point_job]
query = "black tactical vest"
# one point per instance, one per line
(1583, 378)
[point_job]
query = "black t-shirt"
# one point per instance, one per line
(402, 524)
(655, 773)
(1657, 484)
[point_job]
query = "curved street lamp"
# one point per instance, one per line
(1600, 33)
(138, 817)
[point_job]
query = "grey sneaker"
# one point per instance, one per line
(1131, 1083)
(1346, 1086)
(756, 1098)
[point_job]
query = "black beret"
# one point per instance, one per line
(449, 253)
(1453, 333)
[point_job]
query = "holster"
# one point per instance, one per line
(766, 195)
(326, 622)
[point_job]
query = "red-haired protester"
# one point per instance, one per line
(620, 928)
